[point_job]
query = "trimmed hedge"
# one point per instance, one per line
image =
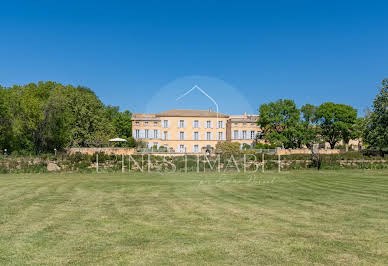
(109, 163)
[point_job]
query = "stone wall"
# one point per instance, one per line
(91, 151)
(305, 151)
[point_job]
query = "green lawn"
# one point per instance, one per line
(302, 217)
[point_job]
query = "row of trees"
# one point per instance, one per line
(46, 116)
(286, 125)
(375, 124)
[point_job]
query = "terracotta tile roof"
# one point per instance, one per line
(248, 118)
(190, 113)
(145, 117)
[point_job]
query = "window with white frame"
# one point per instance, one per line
(235, 124)
(146, 134)
(220, 124)
(220, 135)
(181, 123)
(156, 134)
(253, 133)
(165, 135)
(196, 123)
(181, 135)
(208, 135)
(196, 148)
(208, 124)
(182, 148)
(165, 123)
(244, 134)
(155, 123)
(235, 134)
(137, 123)
(146, 123)
(137, 133)
(196, 135)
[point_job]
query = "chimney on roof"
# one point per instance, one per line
(245, 113)
(210, 109)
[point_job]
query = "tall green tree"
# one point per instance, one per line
(122, 124)
(280, 122)
(5, 120)
(47, 115)
(376, 126)
(27, 110)
(309, 128)
(336, 122)
(89, 123)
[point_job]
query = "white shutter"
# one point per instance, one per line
(184, 123)
(159, 136)
(134, 133)
(205, 124)
(151, 134)
(199, 123)
(184, 135)
(211, 124)
(239, 134)
(192, 136)
(193, 124)
(168, 123)
(199, 135)
(141, 133)
(168, 135)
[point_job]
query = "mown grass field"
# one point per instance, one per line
(297, 217)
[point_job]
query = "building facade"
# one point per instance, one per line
(194, 131)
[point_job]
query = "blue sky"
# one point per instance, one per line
(253, 51)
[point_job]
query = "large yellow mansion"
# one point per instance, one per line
(194, 131)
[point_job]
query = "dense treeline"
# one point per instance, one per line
(284, 124)
(37, 118)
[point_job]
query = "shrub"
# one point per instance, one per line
(246, 146)
(228, 147)
(264, 146)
